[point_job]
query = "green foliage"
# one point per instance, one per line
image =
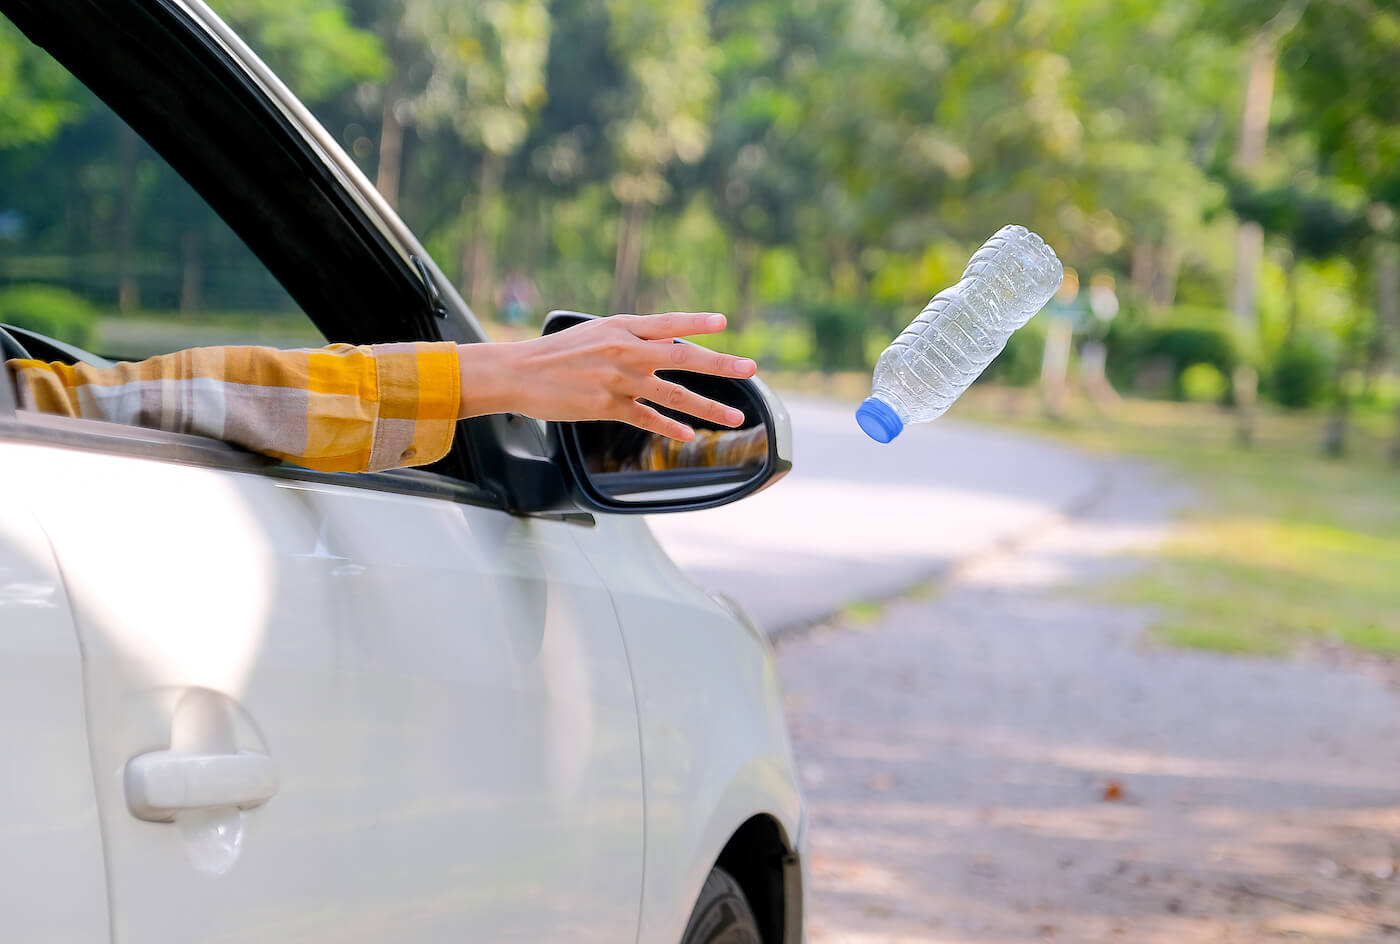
(1018, 365)
(1136, 351)
(37, 97)
(50, 311)
(310, 43)
(838, 335)
(1300, 375)
(785, 346)
(1337, 62)
(665, 49)
(487, 63)
(1203, 383)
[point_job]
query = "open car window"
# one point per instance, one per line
(104, 247)
(195, 212)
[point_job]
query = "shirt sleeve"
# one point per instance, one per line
(341, 408)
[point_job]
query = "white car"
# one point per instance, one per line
(244, 701)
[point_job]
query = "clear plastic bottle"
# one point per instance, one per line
(960, 332)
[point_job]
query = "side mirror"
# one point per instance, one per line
(620, 468)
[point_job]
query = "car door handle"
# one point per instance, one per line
(162, 783)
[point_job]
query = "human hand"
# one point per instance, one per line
(599, 370)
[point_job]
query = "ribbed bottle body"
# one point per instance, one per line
(966, 326)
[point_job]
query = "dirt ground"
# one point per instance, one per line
(1014, 759)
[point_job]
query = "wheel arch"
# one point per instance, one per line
(760, 857)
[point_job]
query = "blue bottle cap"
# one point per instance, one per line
(879, 420)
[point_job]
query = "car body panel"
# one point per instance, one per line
(713, 732)
(54, 887)
(443, 689)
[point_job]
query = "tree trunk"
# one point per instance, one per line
(1395, 441)
(390, 142)
(1334, 435)
(1249, 250)
(1164, 277)
(128, 289)
(1388, 303)
(629, 258)
(1295, 312)
(1054, 366)
(191, 272)
(478, 264)
(746, 260)
(1093, 372)
(1244, 389)
(1144, 267)
(1254, 130)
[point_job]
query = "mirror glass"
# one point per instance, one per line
(627, 465)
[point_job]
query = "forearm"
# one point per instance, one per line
(338, 409)
(490, 379)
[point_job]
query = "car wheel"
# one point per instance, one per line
(722, 915)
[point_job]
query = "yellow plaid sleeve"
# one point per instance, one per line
(341, 408)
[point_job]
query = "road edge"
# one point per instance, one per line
(1098, 491)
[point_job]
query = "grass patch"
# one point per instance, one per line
(862, 612)
(1229, 639)
(1288, 546)
(924, 590)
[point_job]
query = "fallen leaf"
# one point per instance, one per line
(881, 783)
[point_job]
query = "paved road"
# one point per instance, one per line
(1014, 760)
(857, 520)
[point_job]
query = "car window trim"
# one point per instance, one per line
(45, 429)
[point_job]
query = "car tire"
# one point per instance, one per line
(722, 915)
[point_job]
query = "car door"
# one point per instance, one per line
(320, 707)
(54, 888)
(439, 688)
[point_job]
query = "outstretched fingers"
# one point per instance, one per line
(675, 324)
(644, 417)
(637, 385)
(678, 398)
(700, 360)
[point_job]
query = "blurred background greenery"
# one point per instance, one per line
(1224, 178)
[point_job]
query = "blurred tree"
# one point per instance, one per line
(665, 50)
(311, 44)
(1152, 89)
(488, 63)
(1316, 223)
(37, 98)
(1338, 61)
(759, 171)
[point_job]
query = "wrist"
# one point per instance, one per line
(488, 378)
